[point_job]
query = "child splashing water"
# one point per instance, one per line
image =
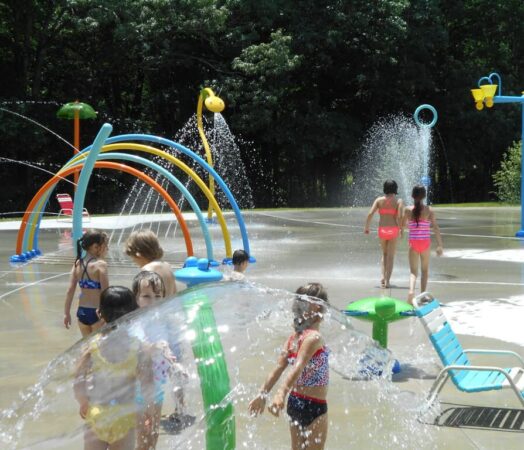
(107, 375)
(90, 272)
(390, 210)
(307, 381)
(419, 219)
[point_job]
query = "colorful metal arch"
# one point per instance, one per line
(47, 187)
(159, 169)
(197, 159)
(181, 165)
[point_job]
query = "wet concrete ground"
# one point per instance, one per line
(480, 278)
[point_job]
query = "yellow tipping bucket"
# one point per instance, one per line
(478, 96)
(489, 92)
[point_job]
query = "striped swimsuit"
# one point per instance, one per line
(419, 235)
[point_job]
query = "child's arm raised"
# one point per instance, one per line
(257, 405)
(436, 229)
(309, 346)
(73, 280)
(370, 215)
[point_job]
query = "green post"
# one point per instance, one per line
(212, 370)
(385, 309)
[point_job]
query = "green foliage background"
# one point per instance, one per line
(302, 79)
(507, 179)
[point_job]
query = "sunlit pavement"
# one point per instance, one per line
(480, 278)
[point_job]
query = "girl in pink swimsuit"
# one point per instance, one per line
(419, 220)
(390, 210)
(307, 381)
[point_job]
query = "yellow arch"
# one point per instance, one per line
(181, 165)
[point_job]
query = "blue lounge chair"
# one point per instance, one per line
(465, 376)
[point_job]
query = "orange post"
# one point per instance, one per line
(76, 142)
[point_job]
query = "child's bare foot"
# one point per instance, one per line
(383, 283)
(411, 296)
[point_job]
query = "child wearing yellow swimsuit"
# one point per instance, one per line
(107, 376)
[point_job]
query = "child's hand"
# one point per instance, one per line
(67, 320)
(439, 251)
(83, 409)
(277, 404)
(257, 405)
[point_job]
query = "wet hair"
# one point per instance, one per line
(143, 243)
(312, 293)
(152, 279)
(89, 238)
(240, 256)
(115, 302)
(390, 187)
(418, 194)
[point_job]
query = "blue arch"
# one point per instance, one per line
(199, 160)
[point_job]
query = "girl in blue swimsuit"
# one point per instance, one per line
(90, 273)
(306, 384)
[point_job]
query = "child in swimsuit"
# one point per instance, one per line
(106, 378)
(390, 210)
(148, 288)
(307, 381)
(90, 273)
(144, 249)
(419, 220)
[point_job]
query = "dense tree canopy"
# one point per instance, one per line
(303, 80)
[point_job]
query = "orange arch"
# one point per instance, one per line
(105, 165)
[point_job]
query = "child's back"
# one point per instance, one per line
(144, 249)
(165, 271)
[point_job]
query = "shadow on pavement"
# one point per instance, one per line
(488, 418)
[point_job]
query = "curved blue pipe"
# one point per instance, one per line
(199, 160)
(191, 200)
(83, 180)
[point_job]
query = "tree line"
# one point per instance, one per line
(302, 80)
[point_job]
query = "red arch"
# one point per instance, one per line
(105, 165)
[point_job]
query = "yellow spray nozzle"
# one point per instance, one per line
(214, 104)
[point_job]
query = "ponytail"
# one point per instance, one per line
(79, 248)
(89, 238)
(418, 194)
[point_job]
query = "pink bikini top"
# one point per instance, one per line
(388, 208)
(316, 371)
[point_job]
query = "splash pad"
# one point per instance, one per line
(260, 317)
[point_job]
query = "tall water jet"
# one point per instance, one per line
(398, 148)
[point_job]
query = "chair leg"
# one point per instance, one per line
(437, 386)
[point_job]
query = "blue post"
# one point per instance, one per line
(499, 98)
(83, 181)
(520, 233)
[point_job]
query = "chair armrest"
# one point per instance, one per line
(495, 352)
(483, 369)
